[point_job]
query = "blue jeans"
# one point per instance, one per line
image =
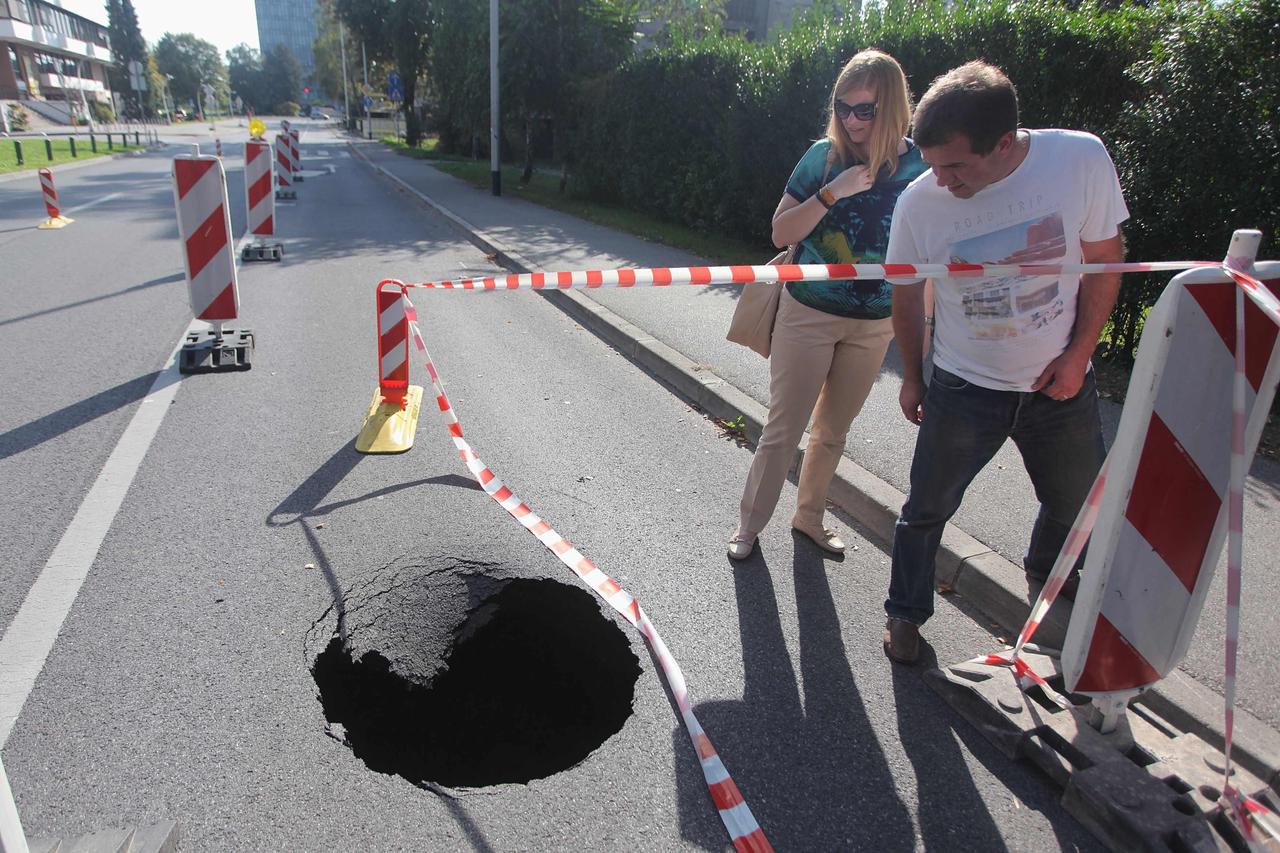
(964, 425)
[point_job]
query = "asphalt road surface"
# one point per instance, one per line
(180, 684)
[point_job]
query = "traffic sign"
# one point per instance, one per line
(368, 102)
(137, 76)
(395, 87)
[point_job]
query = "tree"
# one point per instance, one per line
(326, 51)
(282, 77)
(191, 62)
(459, 75)
(398, 31)
(244, 73)
(127, 45)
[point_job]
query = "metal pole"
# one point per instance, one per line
(346, 98)
(495, 164)
(368, 119)
(12, 839)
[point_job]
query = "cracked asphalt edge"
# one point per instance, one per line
(964, 564)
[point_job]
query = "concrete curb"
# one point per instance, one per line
(964, 564)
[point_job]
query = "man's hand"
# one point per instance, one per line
(911, 399)
(1063, 377)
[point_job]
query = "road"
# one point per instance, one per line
(180, 684)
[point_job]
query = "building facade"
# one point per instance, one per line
(50, 54)
(293, 24)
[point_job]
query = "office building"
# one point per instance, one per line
(54, 60)
(293, 24)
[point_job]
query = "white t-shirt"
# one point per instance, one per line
(1002, 333)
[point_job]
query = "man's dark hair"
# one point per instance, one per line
(975, 99)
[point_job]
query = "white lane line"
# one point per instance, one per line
(29, 638)
(89, 204)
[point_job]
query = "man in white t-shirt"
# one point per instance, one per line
(1011, 355)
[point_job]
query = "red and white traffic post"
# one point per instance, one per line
(283, 169)
(295, 155)
(392, 419)
(204, 226)
(260, 202)
(51, 206)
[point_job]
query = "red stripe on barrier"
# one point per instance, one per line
(609, 587)
(702, 745)
(584, 566)
(485, 476)
(753, 843)
(502, 494)
(267, 226)
(1172, 505)
(661, 276)
(742, 275)
(540, 528)
(521, 510)
(442, 402)
(1113, 663)
(626, 277)
(725, 794)
(699, 275)
(207, 240)
(561, 547)
(221, 308)
(564, 279)
(455, 430)
(260, 189)
(789, 272)
(189, 172)
(595, 278)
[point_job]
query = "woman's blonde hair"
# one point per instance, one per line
(876, 70)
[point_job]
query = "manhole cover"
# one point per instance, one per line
(528, 679)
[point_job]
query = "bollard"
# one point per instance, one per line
(51, 206)
(137, 137)
(260, 201)
(110, 145)
(392, 420)
(48, 148)
(73, 147)
(17, 150)
(93, 143)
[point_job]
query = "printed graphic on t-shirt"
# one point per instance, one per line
(1003, 308)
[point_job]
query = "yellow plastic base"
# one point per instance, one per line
(56, 222)
(389, 428)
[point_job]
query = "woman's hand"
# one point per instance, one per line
(851, 181)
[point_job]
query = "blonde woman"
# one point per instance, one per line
(830, 337)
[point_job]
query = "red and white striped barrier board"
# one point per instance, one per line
(393, 346)
(260, 200)
(284, 125)
(744, 832)
(204, 225)
(295, 159)
(669, 276)
(50, 194)
(1162, 520)
(284, 169)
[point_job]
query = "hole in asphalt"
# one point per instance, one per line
(536, 681)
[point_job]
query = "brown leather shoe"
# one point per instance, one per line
(902, 641)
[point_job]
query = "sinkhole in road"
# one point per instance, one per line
(535, 680)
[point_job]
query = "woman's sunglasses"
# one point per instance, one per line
(862, 112)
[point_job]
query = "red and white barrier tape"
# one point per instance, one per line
(744, 832)
(667, 276)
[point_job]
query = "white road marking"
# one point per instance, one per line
(89, 204)
(29, 638)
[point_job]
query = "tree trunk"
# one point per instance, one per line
(412, 127)
(527, 175)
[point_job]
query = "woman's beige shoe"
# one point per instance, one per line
(825, 538)
(741, 547)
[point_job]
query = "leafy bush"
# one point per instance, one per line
(287, 108)
(102, 112)
(18, 118)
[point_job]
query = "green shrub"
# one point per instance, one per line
(19, 119)
(102, 112)
(287, 108)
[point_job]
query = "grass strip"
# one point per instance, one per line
(34, 152)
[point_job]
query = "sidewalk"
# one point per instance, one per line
(678, 334)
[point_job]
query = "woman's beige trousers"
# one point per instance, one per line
(817, 358)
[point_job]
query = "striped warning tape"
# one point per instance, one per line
(668, 276)
(744, 832)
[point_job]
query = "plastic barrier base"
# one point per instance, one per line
(286, 195)
(206, 352)
(262, 252)
(388, 428)
(1145, 786)
(55, 222)
(297, 178)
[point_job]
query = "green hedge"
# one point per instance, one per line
(705, 132)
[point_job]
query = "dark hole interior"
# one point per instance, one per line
(529, 693)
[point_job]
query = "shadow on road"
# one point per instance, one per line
(54, 424)
(168, 279)
(810, 767)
